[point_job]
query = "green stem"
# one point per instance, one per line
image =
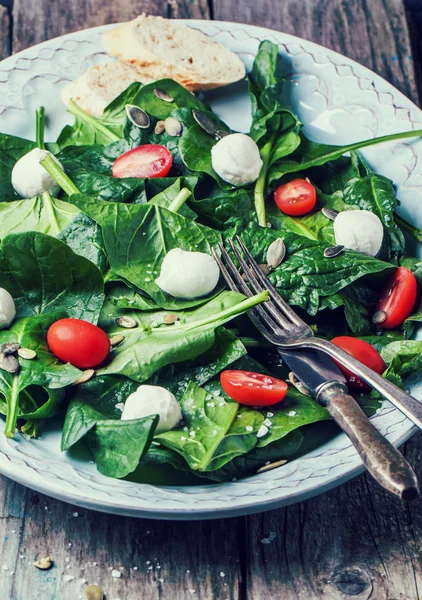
(90, 120)
(31, 428)
(179, 200)
(262, 181)
(12, 410)
(48, 203)
(59, 175)
(39, 128)
(251, 342)
(414, 231)
(232, 311)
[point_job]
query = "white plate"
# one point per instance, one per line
(338, 101)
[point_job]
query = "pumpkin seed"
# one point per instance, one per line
(43, 563)
(9, 348)
(127, 322)
(271, 466)
(137, 116)
(93, 592)
(208, 125)
(301, 387)
(163, 95)
(330, 213)
(379, 317)
(170, 318)
(276, 253)
(86, 376)
(159, 127)
(173, 126)
(333, 251)
(265, 268)
(116, 339)
(27, 353)
(9, 363)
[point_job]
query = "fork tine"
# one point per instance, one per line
(234, 281)
(257, 287)
(275, 296)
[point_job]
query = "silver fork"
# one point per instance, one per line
(280, 325)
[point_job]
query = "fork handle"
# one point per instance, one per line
(383, 461)
(409, 406)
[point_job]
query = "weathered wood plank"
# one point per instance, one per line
(157, 560)
(354, 542)
(372, 32)
(36, 20)
(4, 32)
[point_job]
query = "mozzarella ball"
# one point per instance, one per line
(188, 274)
(29, 178)
(153, 400)
(236, 159)
(359, 230)
(7, 309)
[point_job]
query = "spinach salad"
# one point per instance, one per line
(92, 246)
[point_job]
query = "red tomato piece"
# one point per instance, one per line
(78, 342)
(295, 198)
(253, 389)
(398, 297)
(363, 352)
(150, 160)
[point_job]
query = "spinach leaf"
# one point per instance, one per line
(152, 345)
(89, 130)
(248, 464)
(42, 213)
(160, 109)
(11, 150)
(403, 358)
(43, 275)
(45, 371)
(85, 238)
(376, 193)
(213, 435)
(219, 208)
(296, 410)
(92, 402)
(137, 237)
(306, 276)
(195, 147)
(312, 154)
(227, 349)
(274, 127)
(118, 446)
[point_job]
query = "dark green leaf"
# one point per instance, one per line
(43, 275)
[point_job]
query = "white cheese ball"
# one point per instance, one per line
(7, 309)
(153, 400)
(359, 230)
(188, 274)
(29, 178)
(235, 158)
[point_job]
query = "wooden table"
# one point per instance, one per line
(354, 542)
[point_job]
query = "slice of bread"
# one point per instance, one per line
(163, 48)
(98, 86)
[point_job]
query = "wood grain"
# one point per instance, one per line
(372, 32)
(38, 20)
(5, 45)
(354, 542)
(161, 560)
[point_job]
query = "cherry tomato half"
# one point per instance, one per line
(78, 342)
(362, 351)
(398, 297)
(295, 198)
(253, 389)
(150, 160)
